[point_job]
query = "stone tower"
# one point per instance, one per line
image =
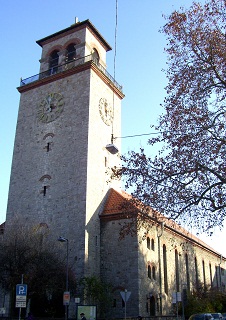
(68, 116)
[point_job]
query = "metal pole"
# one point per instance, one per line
(183, 306)
(177, 303)
(125, 302)
(63, 239)
(66, 306)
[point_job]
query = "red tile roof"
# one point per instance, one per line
(116, 202)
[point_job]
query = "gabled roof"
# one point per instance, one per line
(116, 203)
(119, 203)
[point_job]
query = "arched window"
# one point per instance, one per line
(216, 277)
(53, 62)
(96, 57)
(204, 273)
(153, 273)
(44, 184)
(71, 52)
(187, 272)
(148, 243)
(196, 273)
(152, 244)
(166, 289)
(177, 271)
(211, 275)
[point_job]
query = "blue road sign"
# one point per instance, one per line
(21, 289)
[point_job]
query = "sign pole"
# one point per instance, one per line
(125, 302)
(22, 281)
(125, 296)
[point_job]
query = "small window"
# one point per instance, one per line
(47, 147)
(148, 243)
(44, 190)
(152, 244)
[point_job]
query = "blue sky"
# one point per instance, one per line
(140, 59)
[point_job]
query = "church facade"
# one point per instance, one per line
(69, 116)
(158, 265)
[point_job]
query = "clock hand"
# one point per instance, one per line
(48, 100)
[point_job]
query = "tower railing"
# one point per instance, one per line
(66, 66)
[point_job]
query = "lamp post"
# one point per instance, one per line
(63, 239)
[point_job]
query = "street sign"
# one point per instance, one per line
(66, 299)
(21, 295)
(21, 289)
(125, 295)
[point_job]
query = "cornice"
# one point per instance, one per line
(175, 231)
(76, 27)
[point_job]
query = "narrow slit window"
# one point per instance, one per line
(149, 272)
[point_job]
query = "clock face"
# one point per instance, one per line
(106, 111)
(50, 107)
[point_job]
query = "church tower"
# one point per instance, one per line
(68, 117)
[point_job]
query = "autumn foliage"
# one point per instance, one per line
(186, 180)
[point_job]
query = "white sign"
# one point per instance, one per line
(125, 295)
(176, 297)
(21, 298)
(20, 304)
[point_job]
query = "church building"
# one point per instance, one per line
(69, 116)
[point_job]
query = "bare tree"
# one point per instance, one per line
(186, 180)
